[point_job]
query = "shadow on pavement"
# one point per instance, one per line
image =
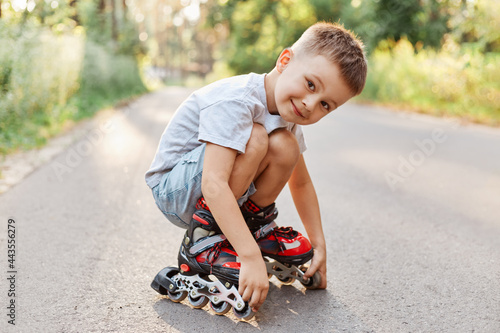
(286, 309)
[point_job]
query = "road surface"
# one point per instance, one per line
(410, 206)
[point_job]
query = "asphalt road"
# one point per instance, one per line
(410, 206)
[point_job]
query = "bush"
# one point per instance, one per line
(39, 73)
(451, 82)
(47, 79)
(106, 78)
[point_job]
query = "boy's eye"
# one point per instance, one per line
(325, 106)
(310, 85)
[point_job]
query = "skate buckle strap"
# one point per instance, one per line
(265, 230)
(272, 228)
(214, 253)
(206, 243)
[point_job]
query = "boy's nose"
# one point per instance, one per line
(309, 102)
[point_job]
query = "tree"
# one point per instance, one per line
(114, 24)
(397, 19)
(260, 29)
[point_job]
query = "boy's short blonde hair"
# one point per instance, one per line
(340, 46)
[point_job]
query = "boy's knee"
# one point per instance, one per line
(283, 148)
(258, 143)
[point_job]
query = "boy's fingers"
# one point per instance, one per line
(316, 267)
(253, 301)
(257, 300)
(311, 270)
(252, 297)
(245, 293)
(258, 296)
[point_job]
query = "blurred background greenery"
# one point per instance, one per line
(62, 60)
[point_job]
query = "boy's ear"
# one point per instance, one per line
(284, 59)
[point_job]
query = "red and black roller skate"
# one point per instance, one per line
(205, 252)
(289, 248)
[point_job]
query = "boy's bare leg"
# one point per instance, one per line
(246, 165)
(276, 168)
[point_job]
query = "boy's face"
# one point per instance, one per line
(308, 88)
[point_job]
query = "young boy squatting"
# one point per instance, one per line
(240, 139)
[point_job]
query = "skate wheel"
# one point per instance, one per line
(286, 281)
(177, 296)
(245, 314)
(221, 308)
(198, 302)
(313, 282)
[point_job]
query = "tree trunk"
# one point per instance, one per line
(101, 13)
(114, 27)
(102, 6)
(74, 17)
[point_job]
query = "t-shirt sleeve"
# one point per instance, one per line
(227, 123)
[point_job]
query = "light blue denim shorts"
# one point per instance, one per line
(180, 188)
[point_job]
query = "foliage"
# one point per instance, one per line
(51, 73)
(39, 74)
(260, 29)
(450, 81)
(106, 78)
(457, 76)
(476, 24)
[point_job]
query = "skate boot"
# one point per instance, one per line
(288, 248)
(208, 269)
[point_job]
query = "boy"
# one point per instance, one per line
(232, 146)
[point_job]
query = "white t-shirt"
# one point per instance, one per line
(222, 113)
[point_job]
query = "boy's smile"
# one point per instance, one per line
(297, 112)
(306, 88)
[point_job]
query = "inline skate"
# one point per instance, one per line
(285, 250)
(205, 253)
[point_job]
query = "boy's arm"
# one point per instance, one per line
(217, 168)
(306, 201)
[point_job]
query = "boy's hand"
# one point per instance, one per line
(318, 264)
(254, 283)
